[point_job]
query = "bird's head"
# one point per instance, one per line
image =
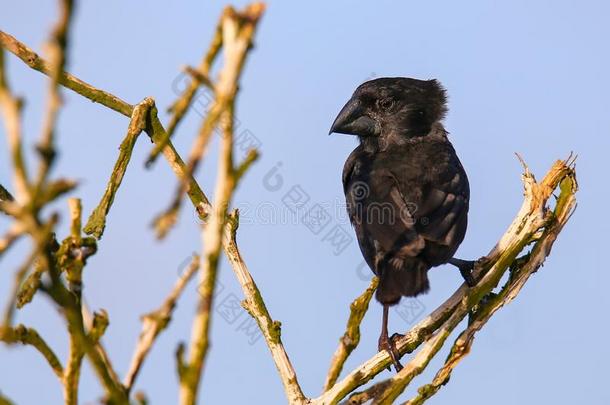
(392, 107)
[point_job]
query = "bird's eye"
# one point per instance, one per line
(385, 104)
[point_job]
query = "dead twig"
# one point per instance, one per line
(350, 339)
(237, 32)
(97, 220)
(29, 336)
(155, 322)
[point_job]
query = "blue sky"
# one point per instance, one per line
(527, 77)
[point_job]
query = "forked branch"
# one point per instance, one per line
(535, 223)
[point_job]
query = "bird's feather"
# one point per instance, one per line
(409, 206)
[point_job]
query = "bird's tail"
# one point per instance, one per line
(400, 277)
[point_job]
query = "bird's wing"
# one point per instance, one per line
(442, 211)
(398, 207)
(383, 220)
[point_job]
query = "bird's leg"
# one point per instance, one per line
(466, 267)
(387, 344)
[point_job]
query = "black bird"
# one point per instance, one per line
(406, 190)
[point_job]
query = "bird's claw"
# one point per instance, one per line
(467, 275)
(466, 268)
(389, 345)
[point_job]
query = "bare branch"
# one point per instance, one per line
(29, 336)
(182, 104)
(154, 127)
(97, 219)
(212, 245)
(238, 30)
(16, 230)
(368, 394)
(76, 210)
(87, 342)
(255, 305)
(10, 237)
(155, 322)
(11, 109)
(76, 354)
(34, 61)
(416, 365)
(72, 374)
(90, 319)
(41, 243)
(54, 189)
(251, 157)
(4, 400)
(198, 76)
(157, 133)
(56, 48)
(350, 339)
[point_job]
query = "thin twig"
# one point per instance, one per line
(154, 128)
(155, 322)
(56, 48)
(20, 275)
(29, 336)
(251, 156)
(76, 209)
(16, 230)
(70, 304)
(89, 319)
(238, 29)
(212, 245)
(350, 339)
(199, 76)
(35, 62)
(4, 400)
(43, 192)
(97, 219)
(87, 343)
(76, 354)
(11, 236)
(255, 305)
(11, 109)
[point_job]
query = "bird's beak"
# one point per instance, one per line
(353, 121)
